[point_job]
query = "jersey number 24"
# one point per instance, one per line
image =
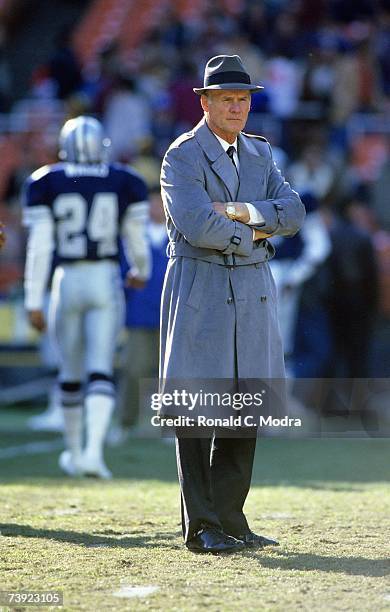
(76, 226)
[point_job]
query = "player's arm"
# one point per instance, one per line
(38, 220)
(136, 244)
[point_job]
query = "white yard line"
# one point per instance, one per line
(127, 592)
(31, 448)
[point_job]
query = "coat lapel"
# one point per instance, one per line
(252, 165)
(220, 162)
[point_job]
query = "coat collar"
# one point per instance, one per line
(252, 164)
(251, 161)
(220, 162)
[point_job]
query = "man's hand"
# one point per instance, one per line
(242, 213)
(259, 235)
(134, 282)
(37, 320)
(2, 236)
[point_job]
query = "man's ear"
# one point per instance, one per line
(204, 101)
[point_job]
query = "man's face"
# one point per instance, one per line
(226, 111)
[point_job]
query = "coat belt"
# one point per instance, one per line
(262, 252)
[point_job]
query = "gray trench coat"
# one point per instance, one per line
(219, 304)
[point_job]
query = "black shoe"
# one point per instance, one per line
(252, 540)
(212, 540)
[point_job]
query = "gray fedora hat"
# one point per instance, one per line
(226, 72)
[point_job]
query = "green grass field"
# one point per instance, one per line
(327, 501)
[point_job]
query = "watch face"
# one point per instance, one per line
(231, 209)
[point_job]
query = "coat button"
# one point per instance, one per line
(229, 300)
(263, 298)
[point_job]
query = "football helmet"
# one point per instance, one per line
(82, 141)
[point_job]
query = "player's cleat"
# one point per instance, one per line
(95, 468)
(49, 420)
(68, 466)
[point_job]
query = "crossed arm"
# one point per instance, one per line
(242, 215)
(204, 223)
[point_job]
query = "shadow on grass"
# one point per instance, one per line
(354, 566)
(90, 540)
(285, 561)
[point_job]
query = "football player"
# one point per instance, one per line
(76, 211)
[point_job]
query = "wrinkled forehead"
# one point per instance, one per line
(228, 93)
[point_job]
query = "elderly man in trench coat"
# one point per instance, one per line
(223, 197)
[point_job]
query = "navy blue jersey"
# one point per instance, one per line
(88, 204)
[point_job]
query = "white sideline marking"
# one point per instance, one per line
(140, 591)
(277, 515)
(31, 448)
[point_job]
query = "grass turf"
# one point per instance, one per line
(327, 501)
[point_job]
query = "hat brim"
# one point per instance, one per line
(243, 86)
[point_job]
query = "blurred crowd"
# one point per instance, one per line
(325, 67)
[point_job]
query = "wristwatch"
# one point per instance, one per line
(231, 211)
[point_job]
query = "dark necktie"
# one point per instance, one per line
(230, 151)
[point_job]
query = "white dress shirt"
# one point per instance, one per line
(255, 217)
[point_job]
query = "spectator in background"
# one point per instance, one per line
(2, 235)
(296, 261)
(186, 111)
(312, 173)
(379, 193)
(98, 86)
(345, 89)
(127, 118)
(154, 73)
(318, 78)
(147, 164)
(64, 67)
(286, 40)
(139, 359)
(357, 85)
(175, 32)
(353, 294)
(283, 81)
(11, 257)
(368, 94)
(344, 11)
(273, 134)
(254, 22)
(163, 124)
(216, 25)
(5, 74)
(375, 220)
(382, 48)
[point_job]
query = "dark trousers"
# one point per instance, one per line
(214, 474)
